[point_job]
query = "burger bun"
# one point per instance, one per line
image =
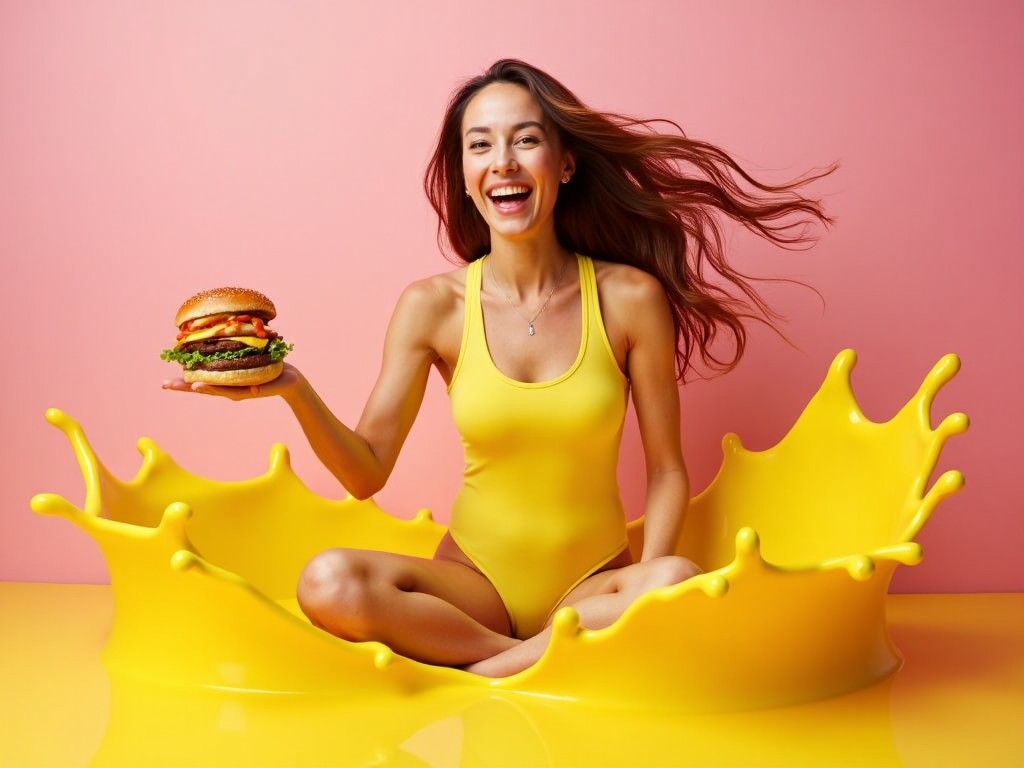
(244, 377)
(235, 301)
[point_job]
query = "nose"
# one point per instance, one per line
(504, 160)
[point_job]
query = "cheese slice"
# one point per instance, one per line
(206, 333)
(215, 330)
(250, 341)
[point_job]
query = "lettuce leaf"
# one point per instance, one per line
(277, 349)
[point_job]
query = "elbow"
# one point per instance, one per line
(360, 494)
(362, 476)
(362, 488)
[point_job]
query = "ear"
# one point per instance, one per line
(568, 167)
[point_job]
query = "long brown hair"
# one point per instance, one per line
(640, 197)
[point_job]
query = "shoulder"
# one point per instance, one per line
(636, 312)
(627, 289)
(429, 313)
(433, 298)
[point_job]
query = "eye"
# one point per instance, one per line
(477, 145)
(528, 140)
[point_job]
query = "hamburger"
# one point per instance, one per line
(223, 338)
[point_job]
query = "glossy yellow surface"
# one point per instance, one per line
(799, 542)
(956, 702)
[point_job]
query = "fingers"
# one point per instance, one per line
(233, 393)
(179, 384)
(199, 387)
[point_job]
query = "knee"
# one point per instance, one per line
(671, 569)
(334, 592)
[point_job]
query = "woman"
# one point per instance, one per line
(586, 238)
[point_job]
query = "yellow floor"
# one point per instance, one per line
(958, 701)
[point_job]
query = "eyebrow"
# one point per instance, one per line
(517, 127)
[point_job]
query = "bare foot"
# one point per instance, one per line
(517, 658)
(502, 665)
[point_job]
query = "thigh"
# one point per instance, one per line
(457, 583)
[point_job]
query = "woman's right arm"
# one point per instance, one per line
(362, 458)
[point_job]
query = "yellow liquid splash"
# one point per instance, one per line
(799, 542)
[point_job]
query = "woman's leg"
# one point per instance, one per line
(437, 611)
(600, 600)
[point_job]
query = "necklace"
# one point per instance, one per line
(508, 296)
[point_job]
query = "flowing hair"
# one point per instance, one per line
(641, 197)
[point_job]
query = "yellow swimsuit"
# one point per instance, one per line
(539, 509)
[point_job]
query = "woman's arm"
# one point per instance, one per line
(644, 315)
(362, 458)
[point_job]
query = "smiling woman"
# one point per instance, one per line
(586, 240)
(512, 166)
(632, 195)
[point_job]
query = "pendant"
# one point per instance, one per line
(533, 331)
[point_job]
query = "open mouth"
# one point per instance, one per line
(505, 198)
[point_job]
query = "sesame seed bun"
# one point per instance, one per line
(244, 377)
(226, 300)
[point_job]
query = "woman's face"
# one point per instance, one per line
(513, 161)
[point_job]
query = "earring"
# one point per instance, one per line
(467, 193)
(565, 179)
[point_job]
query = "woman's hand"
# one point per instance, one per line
(282, 385)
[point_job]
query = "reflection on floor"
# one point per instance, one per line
(958, 701)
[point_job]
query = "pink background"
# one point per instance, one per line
(152, 149)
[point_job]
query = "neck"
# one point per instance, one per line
(528, 268)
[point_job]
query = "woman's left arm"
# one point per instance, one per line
(650, 364)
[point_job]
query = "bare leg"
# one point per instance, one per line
(436, 611)
(600, 600)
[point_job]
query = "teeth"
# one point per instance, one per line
(505, 191)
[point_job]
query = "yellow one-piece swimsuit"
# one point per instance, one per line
(539, 509)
